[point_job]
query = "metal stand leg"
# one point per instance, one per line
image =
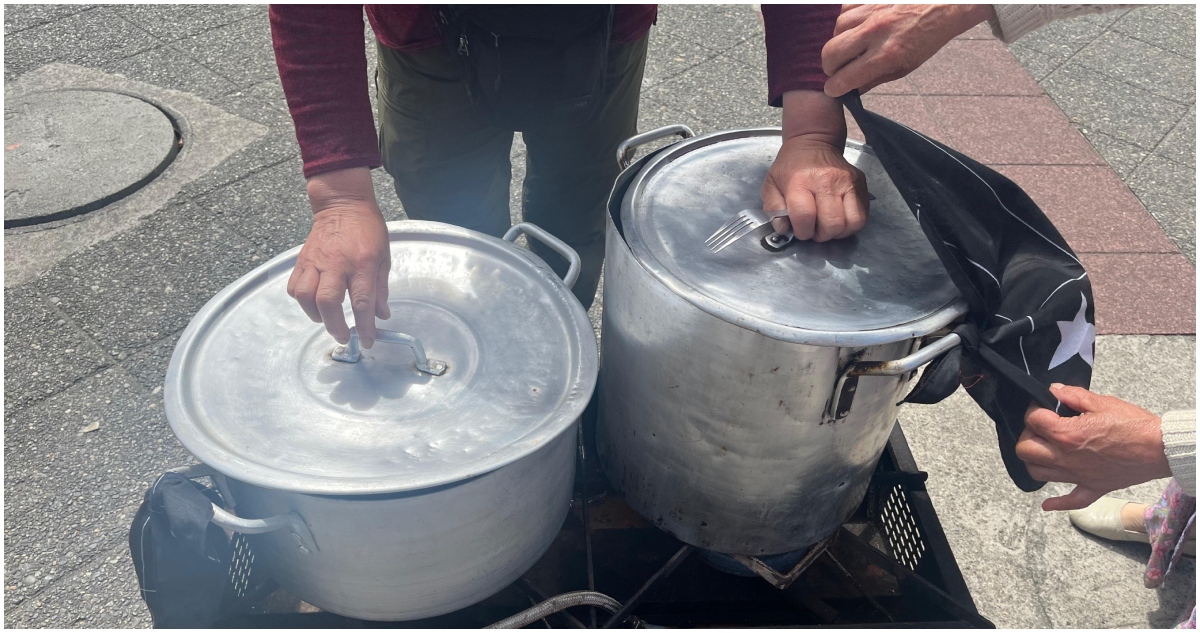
(662, 573)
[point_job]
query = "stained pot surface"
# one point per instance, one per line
(252, 389)
(883, 284)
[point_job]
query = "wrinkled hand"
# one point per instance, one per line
(826, 197)
(347, 250)
(877, 43)
(1111, 445)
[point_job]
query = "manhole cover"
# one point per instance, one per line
(70, 152)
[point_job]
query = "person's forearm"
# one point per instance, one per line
(794, 36)
(814, 115)
(348, 189)
(322, 63)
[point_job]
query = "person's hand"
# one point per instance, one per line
(825, 196)
(878, 43)
(1111, 445)
(347, 250)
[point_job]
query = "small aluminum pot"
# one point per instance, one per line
(408, 555)
(745, 396)
(411, 479)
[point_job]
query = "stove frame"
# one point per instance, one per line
(890, 566)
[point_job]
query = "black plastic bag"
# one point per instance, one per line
(181, 558)
(1031, 321)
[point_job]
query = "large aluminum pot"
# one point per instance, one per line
(414, 478)
(745, 396)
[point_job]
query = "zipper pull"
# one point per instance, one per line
(462, 46)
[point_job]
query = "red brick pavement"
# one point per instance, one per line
(975, 96)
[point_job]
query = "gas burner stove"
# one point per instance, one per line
(889, 566)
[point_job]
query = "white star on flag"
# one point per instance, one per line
(1078, 337)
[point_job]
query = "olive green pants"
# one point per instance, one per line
(451, 165)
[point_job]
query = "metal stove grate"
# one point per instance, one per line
(900, 526)
(242, 566)
(854, 582)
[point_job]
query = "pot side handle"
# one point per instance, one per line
(555, 244)
(847, 383)
(627, 147)
(225, 519)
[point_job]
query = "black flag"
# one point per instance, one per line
(1030, 321)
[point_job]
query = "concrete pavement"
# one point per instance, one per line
(88, 338)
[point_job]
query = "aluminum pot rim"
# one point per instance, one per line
(187, 431)
(923, 326)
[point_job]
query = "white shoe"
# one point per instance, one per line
(1103, 519)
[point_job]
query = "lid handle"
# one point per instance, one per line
(555, 244)
(628, 146)
(350, 353)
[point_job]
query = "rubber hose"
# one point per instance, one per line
(556, 604)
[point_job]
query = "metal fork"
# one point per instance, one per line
(740, 226)
(746, 221)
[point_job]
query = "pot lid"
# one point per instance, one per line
(883, 284)
(253, 391)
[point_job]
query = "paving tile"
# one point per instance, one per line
(1011, 130)
(1185, 10)
(270, 208)
(168, 68)
(518, 154)
(70, 495)
(1053, 574)
(1168, 189)
(277, 146)
(901, 86)
(257, 109)
(1062, 39)
(974, 67)
(1154, 70)
(653, 114)
(1180, 143)
(1091, 207)
(170, 22)
(385, 194)
(1171, 28)
(241, 52)
(103, 594)
(1097, 102)
(134, 289)
(148, 366)
(668, 55)
(907, 109)
(1038, 65)
(1142, 294)
(21, 17)
(1122, 156)
(722, 91)
(752, 52)
(1153, 371)
(714, 26)
(44, 353)
(89, 36)
(270, 93)
(978, 32)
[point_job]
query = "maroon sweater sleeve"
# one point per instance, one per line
(322, 58)
(795, 36)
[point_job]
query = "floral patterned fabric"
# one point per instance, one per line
(1168, 522)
